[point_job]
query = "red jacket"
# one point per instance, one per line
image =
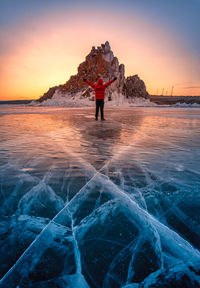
(100, 88)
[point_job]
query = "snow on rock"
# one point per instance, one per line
(78, 100)
(69, 101)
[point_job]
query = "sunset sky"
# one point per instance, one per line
(43, 42)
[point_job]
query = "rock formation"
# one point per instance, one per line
(135, 87)
(48, 95)
(100, 63)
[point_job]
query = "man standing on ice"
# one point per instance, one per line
(99, 94)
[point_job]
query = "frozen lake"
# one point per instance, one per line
(99, 204)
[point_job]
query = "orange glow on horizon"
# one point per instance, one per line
(47, 51)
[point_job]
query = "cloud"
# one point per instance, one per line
(192, 87)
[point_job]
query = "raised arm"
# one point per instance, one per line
(89, 83)
(109, 82)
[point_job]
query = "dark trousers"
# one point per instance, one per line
(99, 104)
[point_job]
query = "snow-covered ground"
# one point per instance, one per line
(86, 203)
(118, 100)
(78, 100)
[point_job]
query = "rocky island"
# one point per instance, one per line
(99, 63)
(102, 63)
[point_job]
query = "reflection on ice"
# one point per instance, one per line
(86, 204)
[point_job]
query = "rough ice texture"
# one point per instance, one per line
(101, 229)
(122, 214)
(180, 275)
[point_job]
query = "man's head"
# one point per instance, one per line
(99, 81)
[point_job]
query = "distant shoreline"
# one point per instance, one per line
(14, 102)
(171, 100)
(159, 100)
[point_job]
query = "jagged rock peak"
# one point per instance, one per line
(104, 47)
(100, 62)
(105, 50)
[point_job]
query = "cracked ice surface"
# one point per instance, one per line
(92, 204)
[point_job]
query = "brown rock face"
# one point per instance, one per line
(100, 63)
(48, 95)
(135, 87)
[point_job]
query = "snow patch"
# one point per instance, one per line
(77, 100)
